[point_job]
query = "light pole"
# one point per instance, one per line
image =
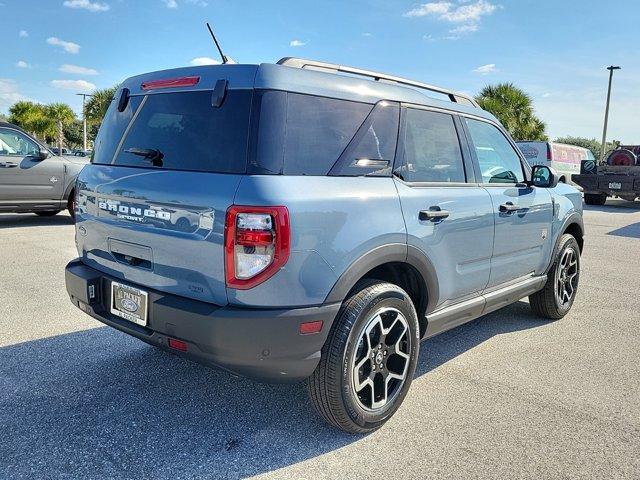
(84, 119)
(606, 113)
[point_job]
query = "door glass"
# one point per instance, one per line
(16, 144)
(499, 162)
(431, 148)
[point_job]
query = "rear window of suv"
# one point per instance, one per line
(178, 131)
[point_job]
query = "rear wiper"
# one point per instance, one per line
(153, 155)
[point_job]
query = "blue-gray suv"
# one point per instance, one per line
(310, 221)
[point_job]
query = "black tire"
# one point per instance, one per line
(331, 386)
(48, 213)
(595, 198)
(548, 302)
(71, 206)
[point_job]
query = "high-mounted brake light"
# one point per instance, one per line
(257, 243)
(171, 83)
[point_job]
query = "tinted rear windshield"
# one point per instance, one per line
(178, 131)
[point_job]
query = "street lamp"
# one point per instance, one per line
(84, 119)
(606, 113)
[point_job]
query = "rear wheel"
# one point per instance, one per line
(48, 213)
(595, 198)
(556, 298)
(369, 359)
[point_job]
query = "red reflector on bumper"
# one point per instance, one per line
(310, 327)
(177, 344)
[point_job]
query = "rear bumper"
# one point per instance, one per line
(601, 183)
(260, 343)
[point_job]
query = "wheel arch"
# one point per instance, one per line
(402, 265)
(572, 225)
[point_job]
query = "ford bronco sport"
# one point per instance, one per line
(288, 222)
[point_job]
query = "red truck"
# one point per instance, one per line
(618, 175)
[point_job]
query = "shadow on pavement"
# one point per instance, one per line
(615, 206)
(629, 231)
(101, 404)
(32, 220)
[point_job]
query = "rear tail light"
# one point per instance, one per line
(548, 152)
(256, 244)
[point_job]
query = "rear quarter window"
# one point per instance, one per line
(300, 134)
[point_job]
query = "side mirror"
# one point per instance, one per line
(41, 154)
(543, 177)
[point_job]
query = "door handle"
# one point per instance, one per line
(432, 214)
(8, 165)
(509, 207)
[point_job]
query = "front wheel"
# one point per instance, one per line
(556, 298)
(369, 359)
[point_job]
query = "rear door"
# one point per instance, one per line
(24, 178)
(523, 214)
(448, 216)
(152, 205)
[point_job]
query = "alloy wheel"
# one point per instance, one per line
(379, 366)
(567, 275)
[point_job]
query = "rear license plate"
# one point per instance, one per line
(615, 185)
(129, 303)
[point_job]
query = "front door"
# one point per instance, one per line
(24, 178)
(523, 214)
(448, 216)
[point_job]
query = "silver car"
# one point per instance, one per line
(32, 177)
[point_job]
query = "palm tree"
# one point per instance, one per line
(98, 104)
(60, 114)
(514, 108)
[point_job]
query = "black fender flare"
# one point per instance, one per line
(395, 252)
(574, 218)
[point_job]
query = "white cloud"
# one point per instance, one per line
(22, 64)
(451, 12)
(81, 85)
(9, 94)
(366, 34)
(486, 69)
(23, 34)
(68, 47)
(77, 70)
(433, 8)
(198, 61)
(87, 5)
(462, 29)
(170, 3)
(297, 43)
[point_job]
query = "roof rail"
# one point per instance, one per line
(377, 76)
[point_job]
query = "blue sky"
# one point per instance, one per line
(555, 50)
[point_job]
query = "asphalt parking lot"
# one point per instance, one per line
(506, 396)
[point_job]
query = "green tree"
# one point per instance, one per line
(73, 133)
(60, 114)
(514, 108)
(97, 105)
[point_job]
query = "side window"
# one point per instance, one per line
(14, 143)
(372, 149)
(431, 148)
(299, 134)
(499, 162)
